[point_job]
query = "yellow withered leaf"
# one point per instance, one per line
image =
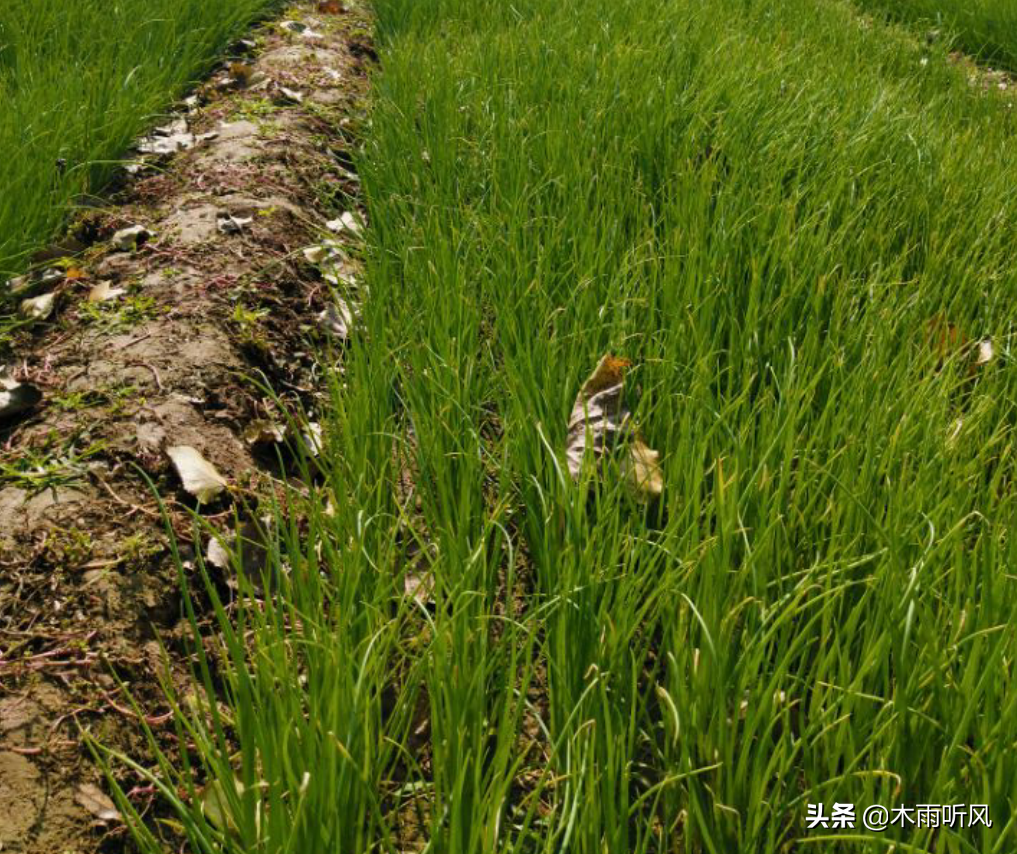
(641, 469)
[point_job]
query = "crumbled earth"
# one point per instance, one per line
(204, 316)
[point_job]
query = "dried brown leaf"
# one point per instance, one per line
(600, 422)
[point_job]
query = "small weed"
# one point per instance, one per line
(54, 464)
(138, 547)
(69, 547)
(121, 315)
(118, 398)
(248, 324)
(253, 109)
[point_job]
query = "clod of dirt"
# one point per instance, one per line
(38, 308)
(22, 794)
(198, 475)
(128, 239)
(16, 397)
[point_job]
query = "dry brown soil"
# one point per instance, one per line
(87, 588)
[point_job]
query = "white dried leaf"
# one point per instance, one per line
(38, 308)
(316, 254)
(347, 222)
(168, 139)
(337, 318)
(985, 352)
(264, 432)
(233, 224)
(217, 554)
(163, 145)
(97, 802)
(198, 475)
(340, 275)
(15, 397)
(291, 95)
(130, 238)
(34, 282)
(7, 381)
(301, 29)
(175, 127)
(599, 411)
(312, 438)
(419, 587)
(104, 291)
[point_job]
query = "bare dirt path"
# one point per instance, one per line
(152, 343)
